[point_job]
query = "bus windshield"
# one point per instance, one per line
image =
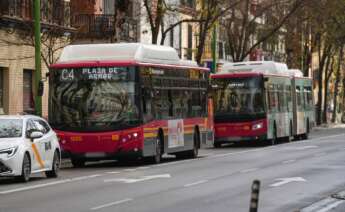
(238, 97)
(93, 99)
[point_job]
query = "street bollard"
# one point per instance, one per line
(254, 199)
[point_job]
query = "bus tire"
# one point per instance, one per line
(157, 157)
(195, 151)
(77, 162)
(274, 139)
(217, 145)
(306, 134)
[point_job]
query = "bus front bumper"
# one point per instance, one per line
(233, 139)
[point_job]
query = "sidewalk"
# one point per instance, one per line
(329, 126)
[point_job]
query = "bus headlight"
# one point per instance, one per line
(10, 151)
(258, 126)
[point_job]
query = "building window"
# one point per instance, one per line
(28, 97)
(190, 42)
(1, 91)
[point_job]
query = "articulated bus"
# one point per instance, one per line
(261, 101)
(111, 101)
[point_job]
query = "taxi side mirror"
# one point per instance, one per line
(35, 135)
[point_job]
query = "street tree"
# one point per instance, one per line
(252, 23)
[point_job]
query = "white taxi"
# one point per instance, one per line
(28, 145)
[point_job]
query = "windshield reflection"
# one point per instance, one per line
(92, 103)
(238, 96)
(11, 128)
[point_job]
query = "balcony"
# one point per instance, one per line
(92, 26)
(53, 12)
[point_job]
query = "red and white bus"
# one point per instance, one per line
(259, 101)
(128, 100)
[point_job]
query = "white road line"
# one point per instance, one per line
(323, 205)
(248, 170)
(86, 177)
(288, 161)
(195, 183)
(113, 172)
(26, 188)
(130, 170)
(331, 206)
(111, 204)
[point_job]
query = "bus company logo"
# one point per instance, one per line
(157, 72)
(236, 85)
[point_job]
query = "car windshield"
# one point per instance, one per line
(11, 128)
(93, 99)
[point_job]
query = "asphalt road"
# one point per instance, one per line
(296, 175)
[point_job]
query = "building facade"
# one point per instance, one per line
(17, 62)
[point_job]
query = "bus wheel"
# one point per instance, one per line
(78, 162)
(306, 134)
(195, 151)
(217, 145)
(274, 139)
(158, 152)
(196, 141)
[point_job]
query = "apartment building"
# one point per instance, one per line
(105, 21)
(17, 65)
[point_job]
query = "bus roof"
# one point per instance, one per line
(262, 67)
(122, 53)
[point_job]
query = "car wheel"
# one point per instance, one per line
(26, 169)
(55, 166)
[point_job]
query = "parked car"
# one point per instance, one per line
(28, 145)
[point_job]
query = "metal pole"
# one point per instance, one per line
(254, 199)
(38, 77)
(214, 48)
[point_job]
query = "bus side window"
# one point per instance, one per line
(147, 105)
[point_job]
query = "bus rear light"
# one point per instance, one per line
(258, 126)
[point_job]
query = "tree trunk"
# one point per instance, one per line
(337, 80)
(328, 73)
(201, 44)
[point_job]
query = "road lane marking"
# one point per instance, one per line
(86, 177)
(32, 187)
(195, 183)
(130, 170)
(288, 161)
(323, 205)
(26, 188)
(111, 204)
(113, 172)
(302, 147)
(284, 181)
(136, 180)
(248, 170)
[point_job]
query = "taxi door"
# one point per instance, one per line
(37, 147)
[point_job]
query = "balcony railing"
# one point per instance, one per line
(104, 26)
(56, 12)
